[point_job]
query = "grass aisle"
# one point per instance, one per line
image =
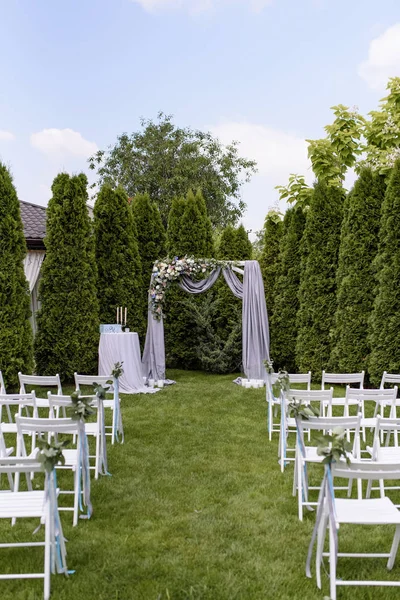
(196, 509)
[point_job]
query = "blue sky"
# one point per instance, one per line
(76, 73)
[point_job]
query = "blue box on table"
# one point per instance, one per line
(116, 328)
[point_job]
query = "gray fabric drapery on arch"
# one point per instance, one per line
(255, 334)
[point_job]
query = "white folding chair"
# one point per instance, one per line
(376, 511)
(39, 504)
(16, 402)
(306, 455)
(43, 381)
(274, 403)
(92, 429)
(381, 398)
(342, 379)
(385, 454)
(73, 456)
(321, 398)
(4, 453)
(389, 378)
(108, 404)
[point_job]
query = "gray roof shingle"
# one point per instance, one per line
(34, 222)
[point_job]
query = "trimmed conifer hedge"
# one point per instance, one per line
(355, 274)
(283, 324)
(317, 293)
(385, 318)
(16, 340)
(119, 281)
(68, 320)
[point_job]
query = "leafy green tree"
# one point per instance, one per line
(166, 161)
(68, 321)
(320, 245)
(194, 238)
(118, 263)
(284, 320)
(16, 341)
(174, 229)
(201, 204)
(382, 132)
(269, 261)
(151, 242)
(385, 318)
(355, 274)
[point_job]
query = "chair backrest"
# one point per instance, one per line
(301, 378)
(390, 378)
(312, 395)
(369, 470)
(56, 402)
(329, 423)
(3, 447)
(89, 380)
(17, 400)
(19, 464)
(39, 380)
(39, 426)
(343, 378)
(377, 395)
(2, 384)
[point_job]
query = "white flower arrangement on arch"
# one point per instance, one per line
(166, 271)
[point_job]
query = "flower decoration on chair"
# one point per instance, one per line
(334, 447)
(80, 409)
(300, 410)
(166, 271)
(50, 454)
(117, 370)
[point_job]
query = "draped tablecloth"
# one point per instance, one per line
(123, 347)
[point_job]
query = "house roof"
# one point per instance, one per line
(34, 222)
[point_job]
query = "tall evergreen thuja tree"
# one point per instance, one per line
(385, 317)
(269, 261)
(201, 204)
(118, 263)
(151, 244)
(220, 347)
(68, 321)
(318, 279)
(16, 345)
(188, 234)
(174, 228)
(355, 274)
(284, 321)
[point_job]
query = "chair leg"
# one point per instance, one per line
(295, 476)
(332, 562)
(300, 488)
(96, 471)
(47, 550)
(320, 548)
(77, 475)
(393, 550)
(270, 421)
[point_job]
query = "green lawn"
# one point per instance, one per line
(196, 508)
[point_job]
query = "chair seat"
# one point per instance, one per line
(42, 403)
(390, 454)
(91, 428)
(9, 427)
(71, 457)
(22, 504)
(374, 511)
(108, 404)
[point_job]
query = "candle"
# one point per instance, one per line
(244, 381)
(151, 382)
(160, 383)
(117, 314)
(125, 316)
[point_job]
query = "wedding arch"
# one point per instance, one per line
(255, 333)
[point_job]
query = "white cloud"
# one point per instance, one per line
(6, 136)
(383, 59)
(62, 142)
(276, 152)
(197, 6)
